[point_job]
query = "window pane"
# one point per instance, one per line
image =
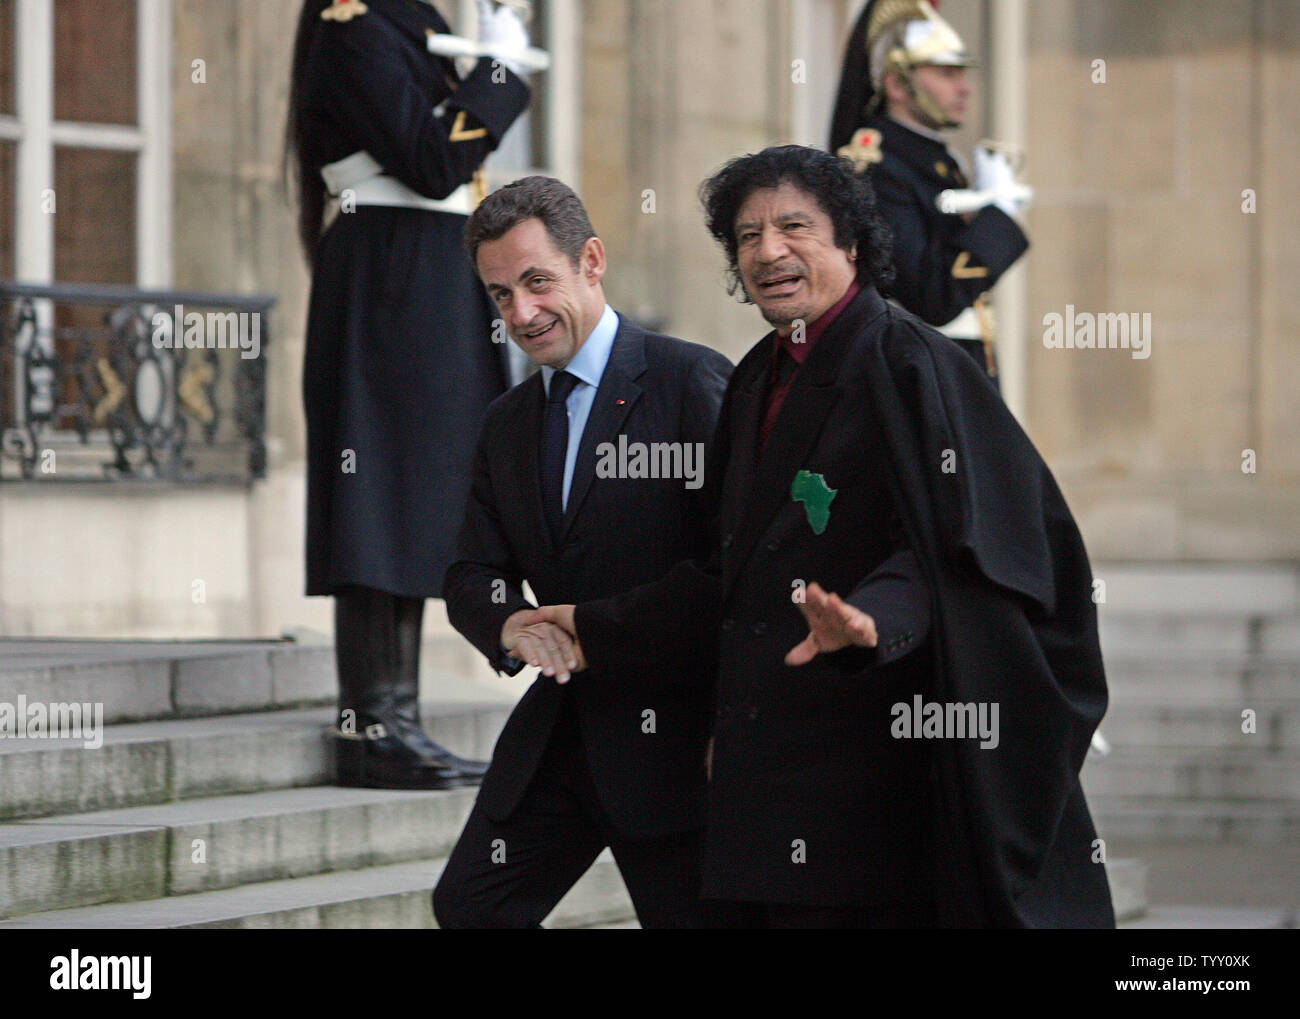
(7, 56)
(94, 238)
(94, 230)
(94, 61)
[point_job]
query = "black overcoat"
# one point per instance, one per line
(1012, 622)
(400, 362)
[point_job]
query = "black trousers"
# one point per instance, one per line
(512, 874)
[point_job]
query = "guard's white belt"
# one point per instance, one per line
(965, 326)
(365, 178)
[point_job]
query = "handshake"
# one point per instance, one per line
(547, 638)
(544, 637)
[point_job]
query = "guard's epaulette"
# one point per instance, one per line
(343, 10)
(863, 148)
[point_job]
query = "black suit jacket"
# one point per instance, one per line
(643, 727)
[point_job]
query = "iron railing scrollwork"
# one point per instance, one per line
(103, 382)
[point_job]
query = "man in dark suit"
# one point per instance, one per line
(586, 483)
(908, 754)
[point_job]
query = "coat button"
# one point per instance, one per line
(752, 714)
(726, 541)
(760, 629)
(772, 546)
(728, 625)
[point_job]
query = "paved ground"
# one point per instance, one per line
(1262, 880)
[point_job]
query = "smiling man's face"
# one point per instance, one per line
(786, 253)
(549, 305)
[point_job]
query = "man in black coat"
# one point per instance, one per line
(907, 754)
(903, 83)
(398, 368)
(587, 482)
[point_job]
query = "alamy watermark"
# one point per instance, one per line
(951, 720)
(77, 972)
(217, 330)
(1105, 330)
(55, 720)
(682, 460)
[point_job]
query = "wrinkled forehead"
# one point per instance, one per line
(788, 199)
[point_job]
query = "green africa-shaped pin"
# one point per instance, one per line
(811, 490)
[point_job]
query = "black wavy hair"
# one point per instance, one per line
(846, 197)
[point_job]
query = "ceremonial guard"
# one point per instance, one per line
(400, 364)
(904, 82)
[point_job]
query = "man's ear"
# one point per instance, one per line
(893, 88)
(592, 261)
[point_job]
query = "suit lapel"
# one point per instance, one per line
(528, 454)
(746, 411)
(616, 394)
(765, 478)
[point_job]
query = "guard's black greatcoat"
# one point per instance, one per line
(617, 533)
(400, 364)
(884, 403)
(942, 262)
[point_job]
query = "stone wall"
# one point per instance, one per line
(1139, 208)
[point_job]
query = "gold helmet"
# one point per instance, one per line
(897, 36)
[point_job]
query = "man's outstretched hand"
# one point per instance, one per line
(832, 624)
(532, 636)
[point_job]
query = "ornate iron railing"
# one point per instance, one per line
(111, 383)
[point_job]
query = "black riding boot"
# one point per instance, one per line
(376, 747)
(406, 696)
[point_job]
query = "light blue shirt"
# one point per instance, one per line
(587, 366)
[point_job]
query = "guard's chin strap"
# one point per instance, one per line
(925, 104)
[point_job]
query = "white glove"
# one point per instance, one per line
(500, 31)
(993, 173)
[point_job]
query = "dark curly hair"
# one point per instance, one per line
(843, 195)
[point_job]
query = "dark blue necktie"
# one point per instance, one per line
(555, 448)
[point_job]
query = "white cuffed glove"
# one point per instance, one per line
(993, 173)
(500, 31)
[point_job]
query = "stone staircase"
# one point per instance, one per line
(207, 804)
(1188, 650)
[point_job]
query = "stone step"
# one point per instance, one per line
(1230, 589)
(1195, 774)
(157, 762)
(1158, 819)
(1139, 635)
(397, 896)
(1211, 918)
(219, 842)
(392, 896)
(140, 680)
(1128, 887)
(1200, 679)
(1207, 726)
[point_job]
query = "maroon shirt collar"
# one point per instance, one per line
(799, 351)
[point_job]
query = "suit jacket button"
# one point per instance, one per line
(760, 629)
(728, 624)
(772, 546)
(752, 714)
(726, 541)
